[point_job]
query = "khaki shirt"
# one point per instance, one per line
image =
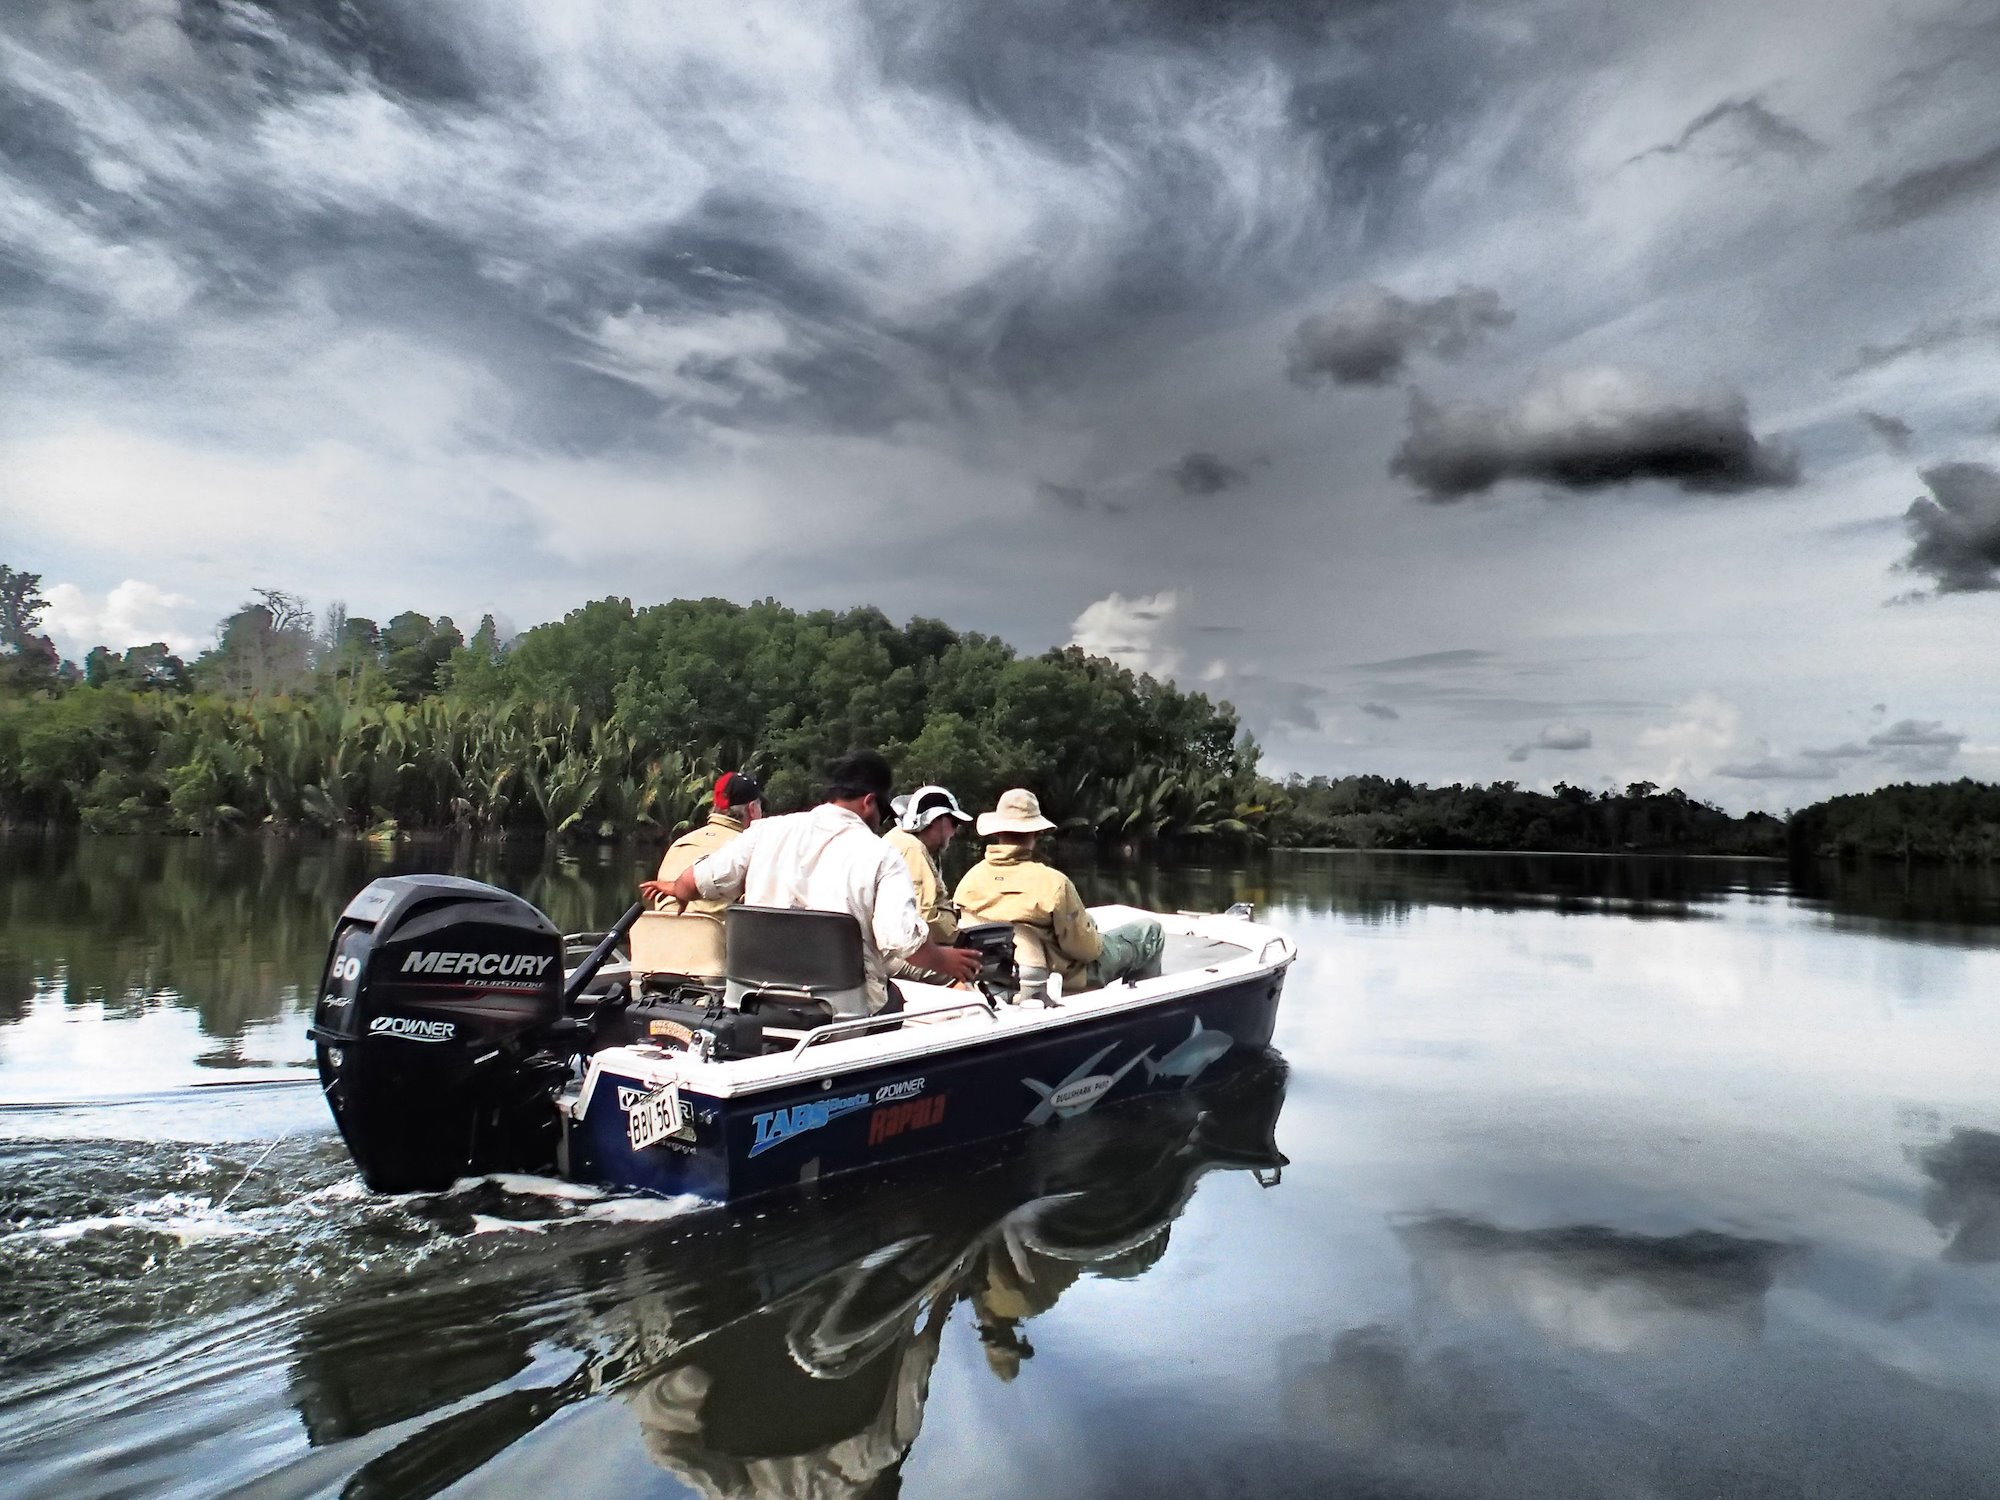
(696, 843)
(929, 881)
(1010, 885)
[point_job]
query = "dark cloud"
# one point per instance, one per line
(1846, 751)
(1205, 474)
(1894, 432)
(1740, 129)
(1926, 340)
(1887, 203)
(1917, 746)
(1429, 661)
(1963, 1197)
(1587, 431)
(1267, 702)
(1553, 737)
(1778, 768)
(1594, 1285)
(1919, 733)
(1370, 336)
(1379, 711)
(1955, 530)
(1062, 496)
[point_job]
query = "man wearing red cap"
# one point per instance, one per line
(738, 803)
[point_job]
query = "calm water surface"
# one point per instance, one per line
(1577, 1177)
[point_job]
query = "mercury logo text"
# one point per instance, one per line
(491, 965)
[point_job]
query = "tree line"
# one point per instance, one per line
(613, 722)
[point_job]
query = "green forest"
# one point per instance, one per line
(613, 722)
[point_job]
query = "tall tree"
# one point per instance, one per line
(27, 658)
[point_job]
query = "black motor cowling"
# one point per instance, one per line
(438, 1032)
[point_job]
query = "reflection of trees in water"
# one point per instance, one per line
(1596, 1288)
(785, 1348)
(1939, 902)
(235, 929)
(1963, 1196)
(1388, 887)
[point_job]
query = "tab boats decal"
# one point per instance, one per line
(776, 1126)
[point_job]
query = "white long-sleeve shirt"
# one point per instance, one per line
(827, 859)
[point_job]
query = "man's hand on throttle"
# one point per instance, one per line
(962, 964)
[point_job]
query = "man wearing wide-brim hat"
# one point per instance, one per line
(1053, 932)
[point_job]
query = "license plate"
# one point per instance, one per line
(654, 1117)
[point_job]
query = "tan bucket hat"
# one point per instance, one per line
(1018, 811)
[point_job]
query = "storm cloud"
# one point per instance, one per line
(1894, 432)
(1928, 339)
(1955, 530)
(1205, 474)
(1591, 430)
(541, 292)
(1738, 130)
(1370, 336)
(1888, 203)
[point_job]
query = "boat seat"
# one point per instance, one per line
(687, 945)
(782, 959)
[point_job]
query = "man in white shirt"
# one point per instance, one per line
(833, 859)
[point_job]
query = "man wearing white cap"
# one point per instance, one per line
(925, 823)
(1053, 930)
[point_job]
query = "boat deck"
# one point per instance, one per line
(938, 1018)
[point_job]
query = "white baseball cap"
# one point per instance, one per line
(925, 806)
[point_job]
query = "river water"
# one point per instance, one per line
(1577, 1177)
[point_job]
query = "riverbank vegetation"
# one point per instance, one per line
(613, 721)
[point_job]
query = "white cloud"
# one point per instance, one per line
(1135, 633)
(709, 358)
(135, 613)
(1683, 752)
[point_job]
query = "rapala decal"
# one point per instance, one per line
(1082, 1088)
(410, 1029)
(912, 1114)
(909, 1088)
(481, 965)
(775, 1127)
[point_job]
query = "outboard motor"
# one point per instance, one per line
(440, 1033)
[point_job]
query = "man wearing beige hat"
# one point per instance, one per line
(1053, 932)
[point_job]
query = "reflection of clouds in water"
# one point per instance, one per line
(1594, 1288)
(1372, 1390)
(1963, 1196)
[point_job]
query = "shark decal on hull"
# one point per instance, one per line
(1081, 1088)
(1191, 1058)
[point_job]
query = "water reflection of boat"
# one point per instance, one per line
(787, 1352)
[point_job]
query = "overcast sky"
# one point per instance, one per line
(1538, 390)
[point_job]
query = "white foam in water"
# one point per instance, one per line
(185, 1218)
(642, 1210)
(487, 1224)
(522, 1185)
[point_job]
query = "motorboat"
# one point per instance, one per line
(782, 1349)
(457, 1033)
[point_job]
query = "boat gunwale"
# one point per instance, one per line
(966, 1032)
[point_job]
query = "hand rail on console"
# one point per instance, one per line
(863, 1023)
